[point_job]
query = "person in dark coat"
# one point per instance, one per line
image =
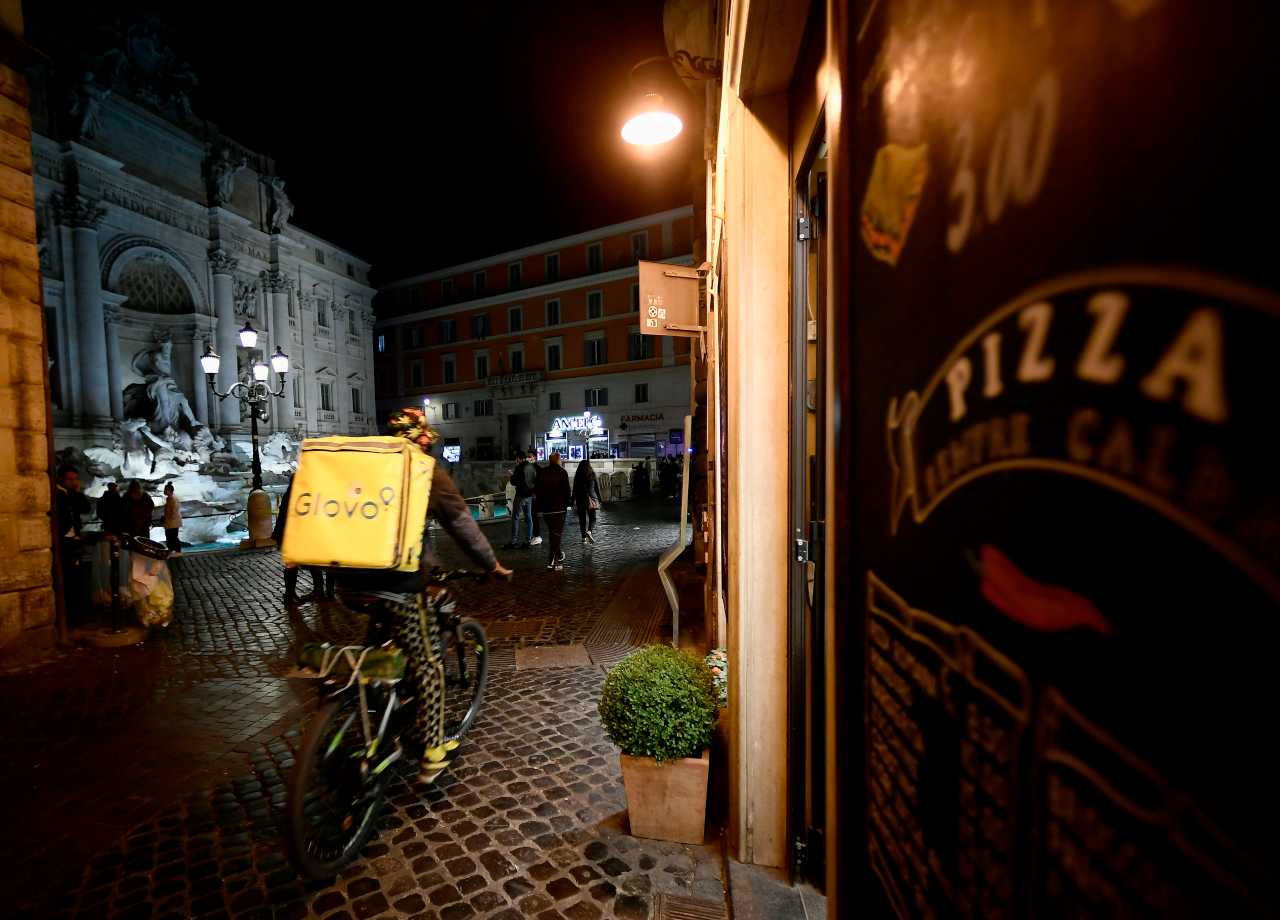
(139, 510)
(111, 510)
(70, 506)
(553, 494)
(586, 499)
(318, 589)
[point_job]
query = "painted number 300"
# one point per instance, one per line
(1016, 166)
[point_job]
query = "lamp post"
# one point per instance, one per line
(253, 391)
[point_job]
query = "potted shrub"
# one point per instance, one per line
(658, 705)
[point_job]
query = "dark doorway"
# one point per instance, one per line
(519, 433)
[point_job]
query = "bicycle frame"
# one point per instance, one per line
(354, 656)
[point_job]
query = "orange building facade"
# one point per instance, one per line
(512, 351)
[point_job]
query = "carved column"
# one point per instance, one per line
(277, 285)
(115, 370)
(199, 388)
(82, 216)
(227, 338)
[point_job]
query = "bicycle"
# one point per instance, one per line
(344, 760)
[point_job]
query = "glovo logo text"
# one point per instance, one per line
(349, 508)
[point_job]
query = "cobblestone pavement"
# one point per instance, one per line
(149, 781)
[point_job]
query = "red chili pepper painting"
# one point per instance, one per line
(1045, 608)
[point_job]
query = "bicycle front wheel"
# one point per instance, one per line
(466, 671)
(333, 805)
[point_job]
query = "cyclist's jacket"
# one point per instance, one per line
(447, 506)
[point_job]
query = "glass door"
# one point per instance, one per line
(806, 706)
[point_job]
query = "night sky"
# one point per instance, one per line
(422, 135)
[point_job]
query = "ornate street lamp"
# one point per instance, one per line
(253, 391)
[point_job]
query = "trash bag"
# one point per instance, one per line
(100, 575)
(151, 587)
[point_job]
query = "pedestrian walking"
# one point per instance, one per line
(531, 474)
(172, 519)
(586, 499)
(138, 512)
(111, 510)
(522, 484)
(319, 590)
(553, 495)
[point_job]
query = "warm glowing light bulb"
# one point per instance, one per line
(260, 371)
(654, 125)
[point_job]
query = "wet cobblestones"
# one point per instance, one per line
(156, 774)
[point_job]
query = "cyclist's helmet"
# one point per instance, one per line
(411, 424)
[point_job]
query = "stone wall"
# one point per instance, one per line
(26, 593)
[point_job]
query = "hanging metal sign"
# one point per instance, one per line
(669, 299)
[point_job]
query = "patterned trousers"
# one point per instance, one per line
(416, 632)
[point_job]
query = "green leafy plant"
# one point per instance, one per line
(659, 702)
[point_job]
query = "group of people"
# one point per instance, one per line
(546, 493)
(132, 513)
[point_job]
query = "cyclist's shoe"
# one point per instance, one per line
(435, 761)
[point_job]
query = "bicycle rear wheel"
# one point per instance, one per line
(466, 671)
(333, 806)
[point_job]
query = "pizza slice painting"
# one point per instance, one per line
(889, 205)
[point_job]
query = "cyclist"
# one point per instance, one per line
(405, 598)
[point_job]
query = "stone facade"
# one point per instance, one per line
(153, 226)
(26, 596)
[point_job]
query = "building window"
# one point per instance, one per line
(322, 314)
(446, 289)
(353, 324)
(415, 375)
(319, 257)
(482, 365)
(480, 326)
(595, 258)
(448, 369)
(413, 337)
(297, 390)
(355, 400)
(382, 343)
(553, 356)
(477, 283)
(595, 352)
(450, 410)
(553, 312)
(595, 304)
(517, 359)
(553, 267)
(293, 308)
(639, 346)
(513, 276)
(597, 396)
(642, 392)
(483, 407)
(515, 319)
(448, 331)
(639, 246)
(326, 397)
(553, 400)
(635, 298)
(351, 270)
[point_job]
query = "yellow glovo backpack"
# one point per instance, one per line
(358, 503)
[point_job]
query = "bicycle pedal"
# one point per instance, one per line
(438, 754)
(452, 745)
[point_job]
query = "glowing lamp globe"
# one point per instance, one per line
(280, 361)
(260, 371)
(652, 125)
(210, 361)
(248, 336)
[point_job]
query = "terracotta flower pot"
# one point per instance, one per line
(667, 801)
